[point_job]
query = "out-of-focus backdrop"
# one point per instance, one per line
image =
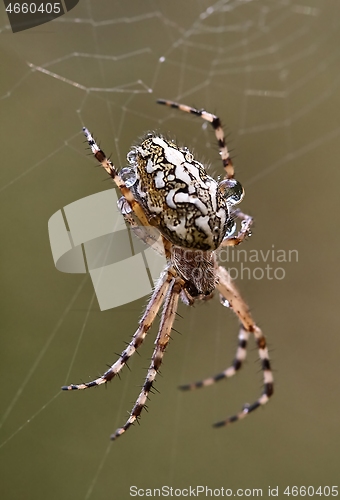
(270, 70)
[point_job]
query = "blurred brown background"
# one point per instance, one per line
(270, 69)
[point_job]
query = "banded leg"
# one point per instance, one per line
(240, 356)
(145, 323)
(246, 223)
(110, 169)
(150, 235)
(162, 340)
(240, 308)
(217, 126)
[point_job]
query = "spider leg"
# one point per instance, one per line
(247, 222)
(217, 126)
(145, 323)
(150, 235)
(162, 340)
(111, 170)
(230, 371)
(228, 290)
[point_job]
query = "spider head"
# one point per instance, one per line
(192, 290)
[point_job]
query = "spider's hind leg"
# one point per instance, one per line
(217, 126)
(150, 235)
(111, 170)
(245, 231)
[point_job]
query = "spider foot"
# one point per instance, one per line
(117, 433)
(229, 372)
(94, 383)
(247, 408)
(234, 418)
(197, 385)
(77, 387)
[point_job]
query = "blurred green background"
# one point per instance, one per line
(270, 69)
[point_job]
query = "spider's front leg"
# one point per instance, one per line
(162, 340)
(145, 323)
(229, 372)
(228, 290)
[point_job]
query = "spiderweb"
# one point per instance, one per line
(268, 68)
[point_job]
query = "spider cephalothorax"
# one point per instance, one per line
(171, 203)
(197, 268)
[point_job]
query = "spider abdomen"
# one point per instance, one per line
(175, 189)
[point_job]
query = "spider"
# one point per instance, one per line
(172, 204)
